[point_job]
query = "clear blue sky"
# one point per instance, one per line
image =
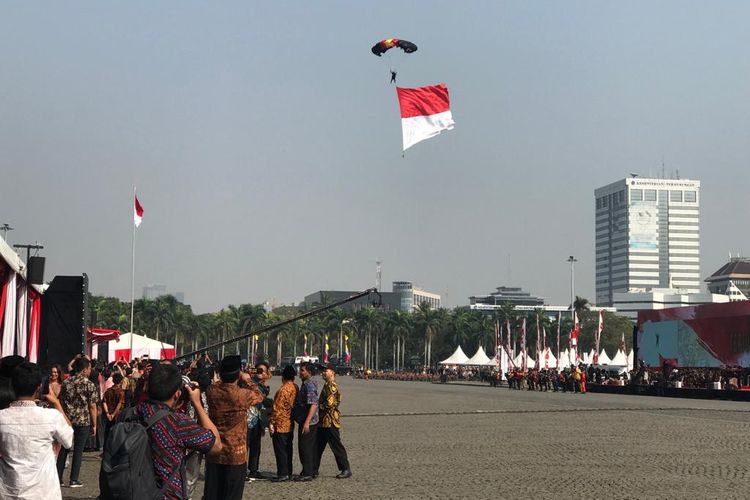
(265, 140)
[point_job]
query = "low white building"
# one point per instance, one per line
(629, 303)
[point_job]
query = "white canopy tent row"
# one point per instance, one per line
(547, 359)
(480, 358)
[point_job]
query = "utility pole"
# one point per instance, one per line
(5, 228)
(27, 247)
(378, 273)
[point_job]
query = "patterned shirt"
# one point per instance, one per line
(171, 438)
(307, 395)
(113, 397)
(330, 398)
(76, 395)
(227, 406)
(283, 402)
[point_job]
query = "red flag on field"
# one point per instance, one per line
(137, 212)
(425, 112)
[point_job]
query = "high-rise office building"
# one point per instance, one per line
(647, 236)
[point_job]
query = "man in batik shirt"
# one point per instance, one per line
(330, 423)
(281, 424)
(79, 397)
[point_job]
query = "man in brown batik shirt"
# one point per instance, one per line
(227, 405)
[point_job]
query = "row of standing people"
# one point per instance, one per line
(221, 434)
(571, 379)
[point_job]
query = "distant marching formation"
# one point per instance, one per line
(425, 111)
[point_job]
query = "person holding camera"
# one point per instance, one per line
(228, 404)
(174, 435)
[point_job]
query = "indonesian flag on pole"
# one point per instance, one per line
(574, 332)
(137, 212)
(425, 112)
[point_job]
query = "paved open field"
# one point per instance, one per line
(420, 440)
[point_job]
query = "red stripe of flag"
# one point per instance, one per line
(423, 101)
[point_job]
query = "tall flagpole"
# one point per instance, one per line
(132, 281)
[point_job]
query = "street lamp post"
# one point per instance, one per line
(572, 261)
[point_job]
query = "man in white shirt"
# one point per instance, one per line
(27, 435)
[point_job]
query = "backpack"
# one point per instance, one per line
(127, 471)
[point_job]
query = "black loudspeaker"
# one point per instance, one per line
(35, 271)
(63, 324)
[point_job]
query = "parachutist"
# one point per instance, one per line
(393, 76)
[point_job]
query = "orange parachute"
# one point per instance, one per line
(384, 45)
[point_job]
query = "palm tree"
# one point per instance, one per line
(377, 324)
(227, 322)
(162, 313)
(484, 329)
(252, 317)
(399, 323)
(429, 322)
(581, 304)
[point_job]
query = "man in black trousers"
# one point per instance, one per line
(257, 422)
(330, 423)
(306, 416)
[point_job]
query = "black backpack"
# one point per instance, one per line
(127, 471)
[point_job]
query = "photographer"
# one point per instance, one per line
(175, 434)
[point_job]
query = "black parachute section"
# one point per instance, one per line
(384, 45)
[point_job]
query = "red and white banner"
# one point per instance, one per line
(34, 325)
(425, 112)
(525, 359)
(598, 337)
(137, 212)
(574, 332)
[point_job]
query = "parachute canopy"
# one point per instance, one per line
(383, 45)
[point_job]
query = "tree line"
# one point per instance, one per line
(375, 337)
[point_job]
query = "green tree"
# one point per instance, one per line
(429, 322)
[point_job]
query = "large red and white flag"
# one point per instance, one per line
(137, 212)
(425, 112)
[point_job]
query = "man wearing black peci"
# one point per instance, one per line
(306, 416)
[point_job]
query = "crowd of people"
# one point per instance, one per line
(196, 419)
(669, 375)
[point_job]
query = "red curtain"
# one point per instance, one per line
(34, 324)
(4, 294)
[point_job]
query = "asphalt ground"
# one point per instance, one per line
(423, 440)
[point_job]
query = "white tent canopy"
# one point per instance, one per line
(457, 358)
(630, 360)
(620, 359)
(140, 346)
(603, 358)
(479, 359)
(518, 362)
(547, 358)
